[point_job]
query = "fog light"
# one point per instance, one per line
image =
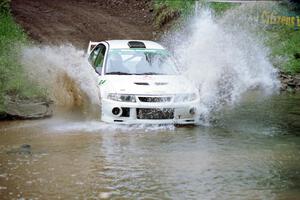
(193, 111)
(116, 111)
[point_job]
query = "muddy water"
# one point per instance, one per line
(250, 152)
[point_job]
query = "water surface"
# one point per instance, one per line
(249, 152)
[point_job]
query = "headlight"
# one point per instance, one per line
(185, 97)
(121, 97)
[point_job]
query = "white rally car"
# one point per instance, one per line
(139, 83)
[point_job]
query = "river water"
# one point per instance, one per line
(248, 149)
(249, 152)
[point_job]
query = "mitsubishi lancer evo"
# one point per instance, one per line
(139, 83)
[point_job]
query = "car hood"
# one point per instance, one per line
(150, 85)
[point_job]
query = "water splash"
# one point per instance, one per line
(64, 71)
(224, 58)
(96, 126)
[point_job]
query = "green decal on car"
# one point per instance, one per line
(101, 82)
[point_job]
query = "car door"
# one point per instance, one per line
(97, 61)
(96, 58)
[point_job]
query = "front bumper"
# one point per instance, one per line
(130, 112)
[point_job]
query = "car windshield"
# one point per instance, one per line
(140, 62)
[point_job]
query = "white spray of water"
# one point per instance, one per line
(93, 126)
(224, 60)
(64, 71)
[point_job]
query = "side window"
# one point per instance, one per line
(100, 58)
(97, 57)
(94, 55)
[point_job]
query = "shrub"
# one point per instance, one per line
(13, 81)
(4, 6)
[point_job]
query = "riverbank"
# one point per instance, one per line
(78, 21)
(282, 40)
(20, 98)
(252, 152)
(73, 22)
(290, 83)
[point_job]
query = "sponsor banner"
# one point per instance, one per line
(273, 18)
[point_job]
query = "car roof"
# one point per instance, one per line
(123, 44)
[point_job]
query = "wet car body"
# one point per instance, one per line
(139, 84)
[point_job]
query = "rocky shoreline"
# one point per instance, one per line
(18, 109)
(290, 83)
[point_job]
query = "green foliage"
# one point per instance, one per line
(4, 6)
(13, 80)
(184, 6)
(164, 15)
(169, 11)
(285, 42)
(220, 7)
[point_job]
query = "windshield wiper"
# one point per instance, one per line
(118, 73)
(150, 73)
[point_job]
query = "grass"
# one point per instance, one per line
(184, 6)
(13, 81)
(221, 7)
(171, 10)
(167, 11)
(285, 42)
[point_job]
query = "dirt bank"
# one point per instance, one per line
(78, 21)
